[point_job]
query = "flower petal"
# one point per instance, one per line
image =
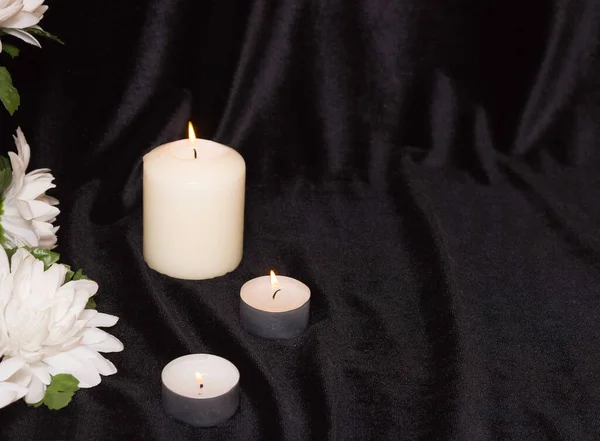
(22, 377)
(23, 149)
(40, 370)
(104, 366)
(88, 286)
(7, 11)
(18, 232)
(35, 186)
(61, 330)
(8, 367)
(20, 256)
(39, 13)
(87, 376)
(46, 234)
(101, 320)
(93, 336)
(82, 369)
(4, 261)
(36, 392)
(48, 199)
(18, 173)
(21, 20)
(26, 37)
(34, 209)
(6, 280)
(111, 344)
(32, 5)
(88, 314)
(64, 362)
(10, 392)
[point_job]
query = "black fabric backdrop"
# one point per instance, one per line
(428, 167)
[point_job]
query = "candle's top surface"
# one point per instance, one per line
(197, 161)
(185, 374)
(258, 293)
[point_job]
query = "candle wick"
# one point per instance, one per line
(195, 154)
(275, 293)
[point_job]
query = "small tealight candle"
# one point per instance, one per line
(201, 390)
(274, 307)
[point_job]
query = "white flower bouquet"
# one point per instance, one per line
(50, 336)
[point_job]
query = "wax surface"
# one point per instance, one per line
(193, 209)
(258, 293)
(219, 376)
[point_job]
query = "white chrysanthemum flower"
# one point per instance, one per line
(27, 212)
(17, 15)
(45, 329)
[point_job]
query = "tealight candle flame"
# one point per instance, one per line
(199, 380)
(191, 133)
(274, 281)
(274, 284)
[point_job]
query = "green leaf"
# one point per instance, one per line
(46, 256)
(80, 276)
(91, 304)
(5, 163)
(8, 94)
(11, 252)
(59, 392)
(69, 274)
(75, 275)
(5, 179)
(41, 33)
(11, 50)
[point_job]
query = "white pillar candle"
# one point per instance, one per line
(274, 307)
(193, 208)
(200, 389)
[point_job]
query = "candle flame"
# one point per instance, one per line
(199, 378)
(274, 281)
(191, 133)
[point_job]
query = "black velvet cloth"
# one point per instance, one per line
(428, 167)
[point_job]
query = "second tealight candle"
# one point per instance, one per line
(274, 307)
